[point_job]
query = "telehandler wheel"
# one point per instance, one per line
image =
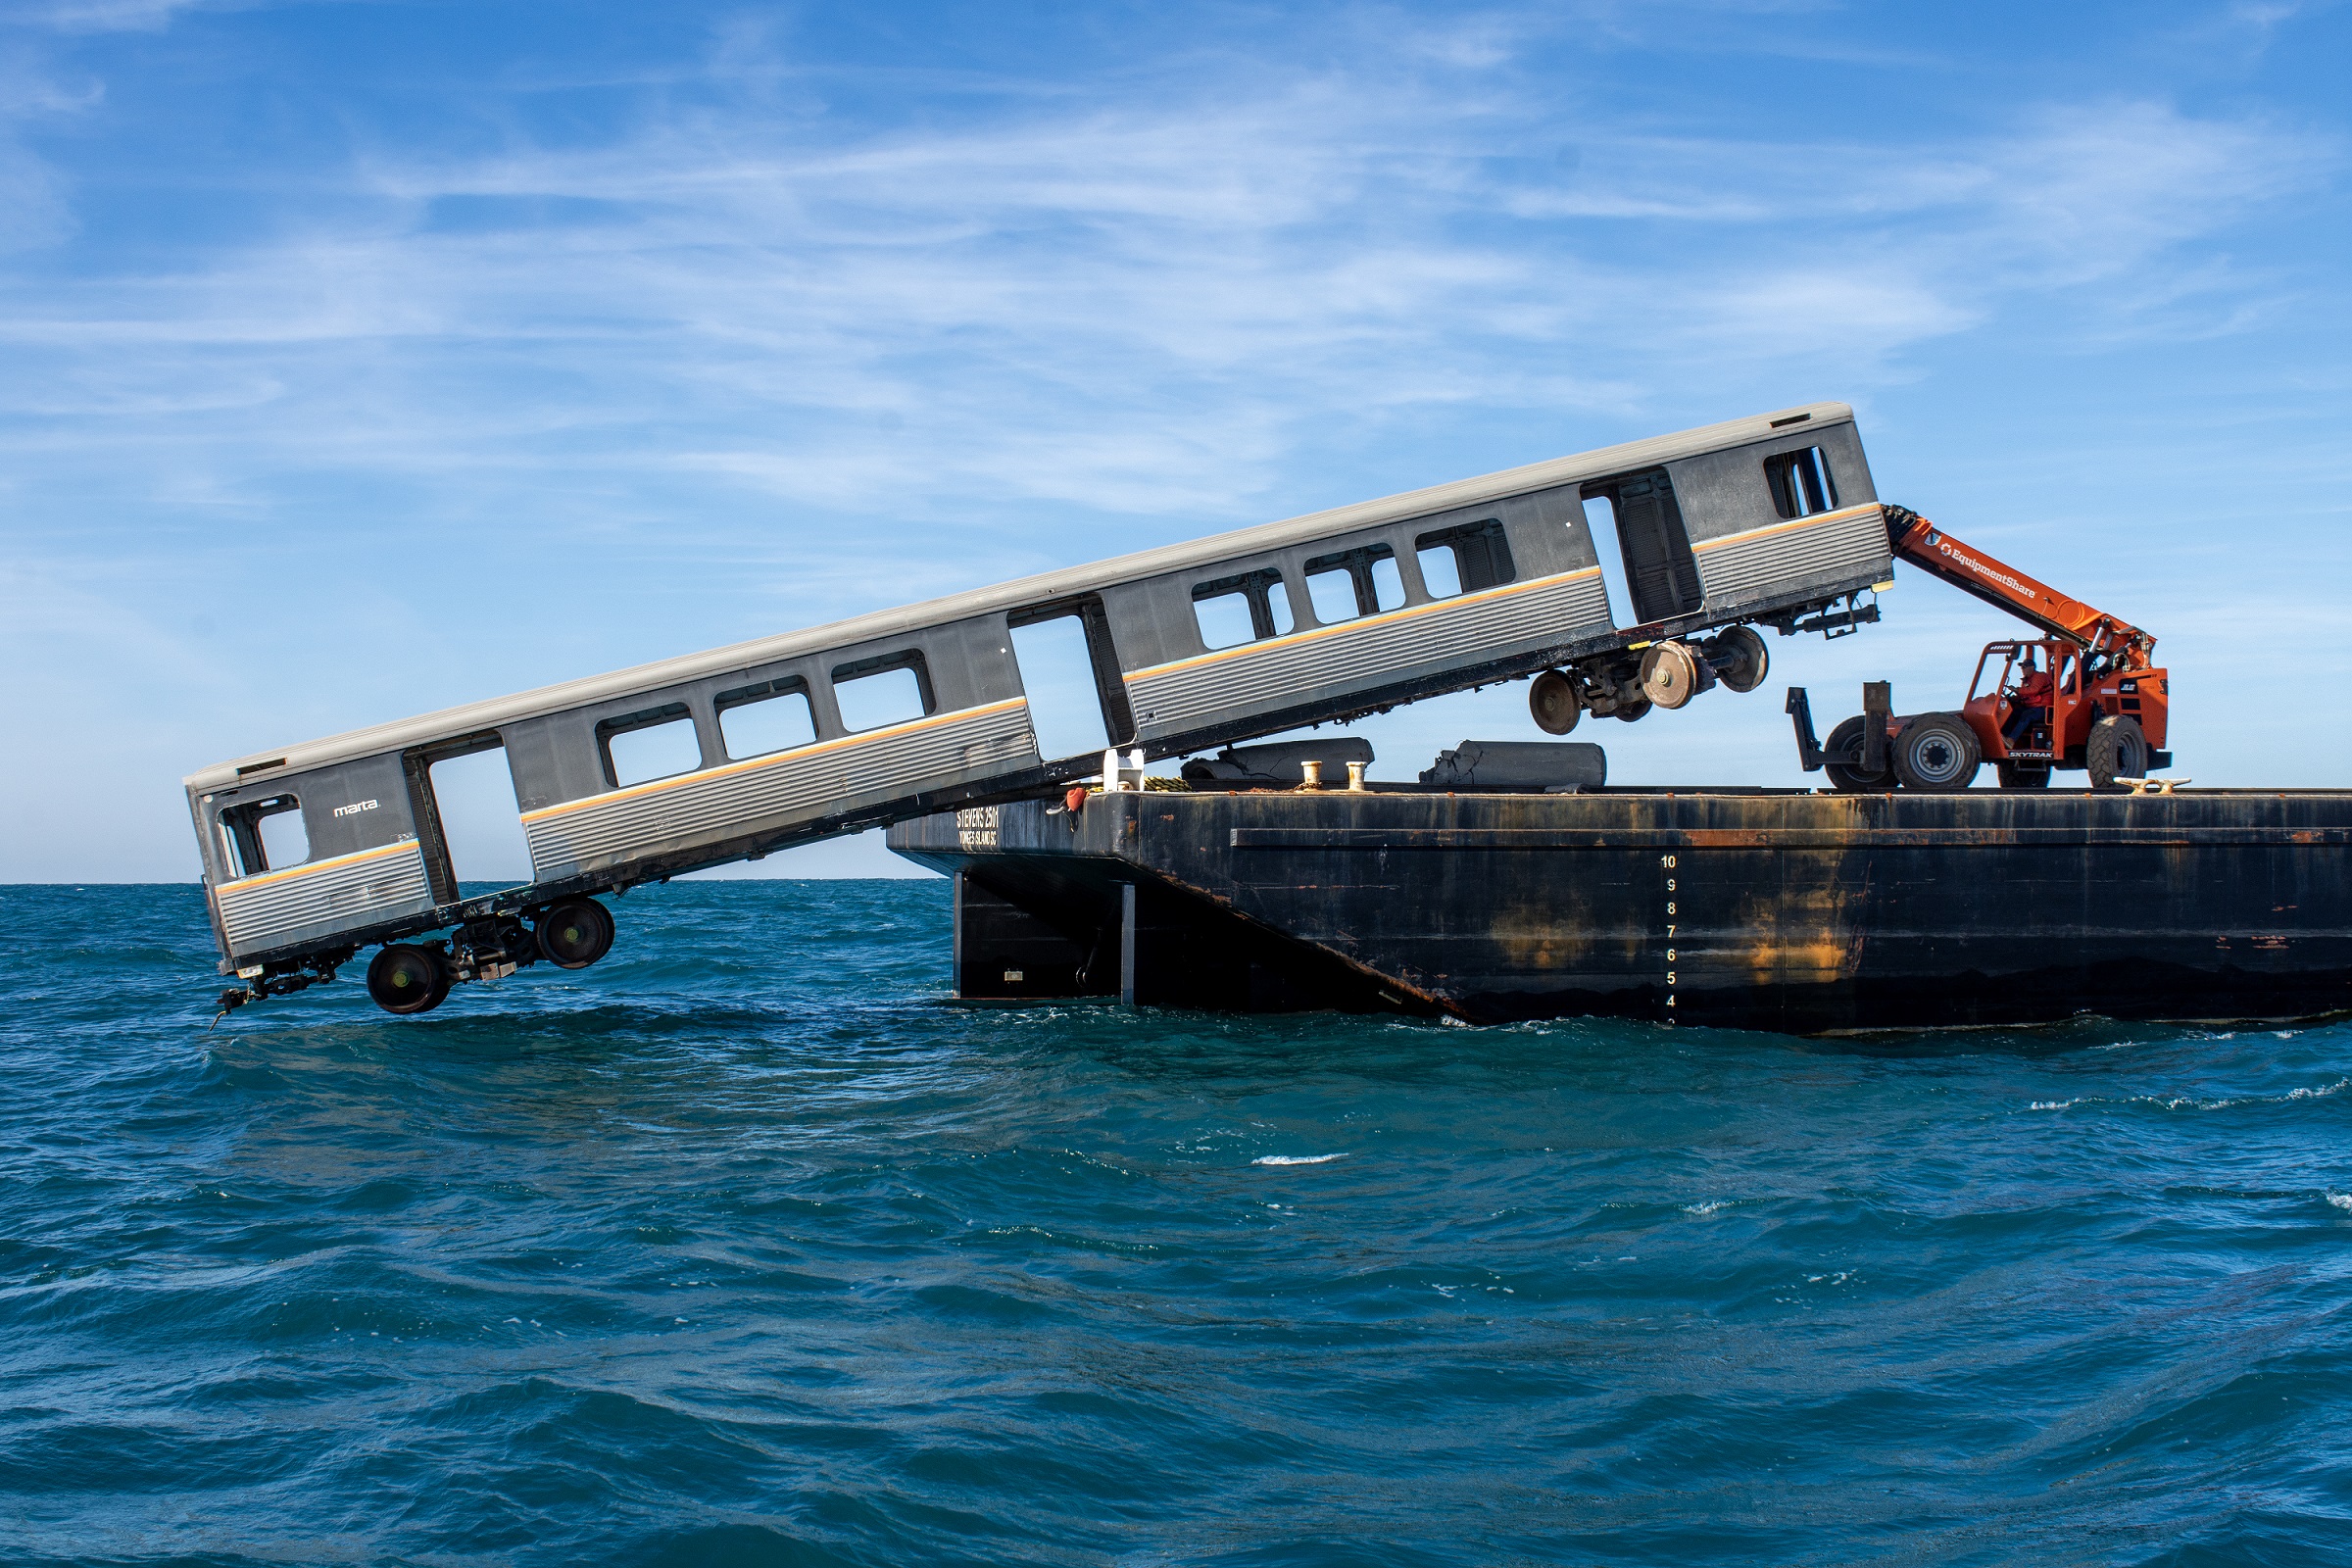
(406, 978)
(1937, 753)
(2117, 749)
(1669, 674)
(2022, 775)
(1553, 703)
(1849, 777)
(1751, 662)
(575, 934)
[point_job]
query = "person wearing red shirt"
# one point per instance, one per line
(2029, 702)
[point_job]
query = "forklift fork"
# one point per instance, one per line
(1800, 713)
(1877, 704)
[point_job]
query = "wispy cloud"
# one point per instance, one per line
(1129, 306)
(103, 16)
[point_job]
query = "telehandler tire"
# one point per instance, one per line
(1850, 779)
(2117, 749)
(1937, 753)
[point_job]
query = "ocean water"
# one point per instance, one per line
(745, 1247)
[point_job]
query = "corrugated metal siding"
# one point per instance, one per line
(348, 890)
(1365, 652)
(810, 782)
(1835, 543)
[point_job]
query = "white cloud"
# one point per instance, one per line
(105, 16)
(1094, 305)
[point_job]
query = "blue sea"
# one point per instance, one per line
(748, 1246)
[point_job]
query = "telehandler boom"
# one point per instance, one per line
(1920, 542)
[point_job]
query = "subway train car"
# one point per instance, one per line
(1770, 520)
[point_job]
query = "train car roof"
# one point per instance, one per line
(1045, 587)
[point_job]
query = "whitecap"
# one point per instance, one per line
(1707, 1207)
(2053, 1104)
(2340, 1200)
(1298, 1159)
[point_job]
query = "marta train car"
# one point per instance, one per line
(1770, 520)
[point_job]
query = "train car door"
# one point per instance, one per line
(1660, 571)
(1070, 676)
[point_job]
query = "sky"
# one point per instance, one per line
(359, 360)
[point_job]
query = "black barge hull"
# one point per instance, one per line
(1797, 912)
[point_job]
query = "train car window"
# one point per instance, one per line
(1349, 583)
(285, 841)
(1464, 559)
(1801, 483)
(655, 743)
(265, 835)
(771, 716)
(1224, 620)
(1332, 594)
(1437, 571)
(890, 690)
(1242, 609)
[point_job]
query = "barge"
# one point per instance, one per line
(1742, 907)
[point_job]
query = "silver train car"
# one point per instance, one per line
(1770, 520)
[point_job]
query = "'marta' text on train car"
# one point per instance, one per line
(1770, 520)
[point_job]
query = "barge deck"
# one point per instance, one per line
(1793, 911)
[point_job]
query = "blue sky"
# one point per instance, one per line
(361, 358)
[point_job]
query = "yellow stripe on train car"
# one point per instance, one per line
(775, 759)
(1769, 529)
(1386, 616)
(243, 884)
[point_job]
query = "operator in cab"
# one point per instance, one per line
(2028, 699)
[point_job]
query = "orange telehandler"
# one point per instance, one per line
(2083, 696)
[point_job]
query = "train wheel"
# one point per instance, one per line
(406, 978)
(1553, 703)
(1669, 674)
(576, 933)
(2022, 776)
(2117, 749)
(1629, 712)
(1750, 660)
(1849, 777)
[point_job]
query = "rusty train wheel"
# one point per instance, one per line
(1553, 703)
